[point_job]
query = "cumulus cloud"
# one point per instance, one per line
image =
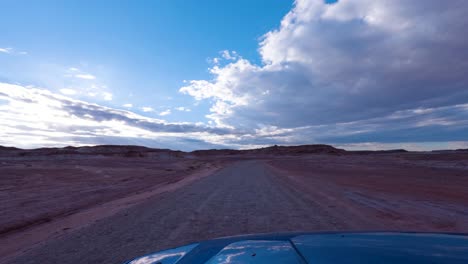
(356, 73)
(128, 105)
(34, 117)
(339, 66)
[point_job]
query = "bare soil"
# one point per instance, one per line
(160, 203)
(43, 198)
(36, 191)
(412, 192)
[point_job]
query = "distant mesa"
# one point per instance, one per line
(102, 150)
(275, 150)
(140, 151)
(131, 151)
(390, 151)
(2, 148)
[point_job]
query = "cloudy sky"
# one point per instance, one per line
(358, 74)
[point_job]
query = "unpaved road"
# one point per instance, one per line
(245, 197)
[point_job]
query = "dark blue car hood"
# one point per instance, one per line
(320, 248)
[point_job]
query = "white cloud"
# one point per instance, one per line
(147, 109)
(183, 109)
(6, 50)
(353, 60)
(128, 105)
(229, 55)
(355, 72)
(32, 117)
(68, 91)
(107, 96)
(12, 51)
(165, 113)
(85, 76)
(86, 84)
(224, 89)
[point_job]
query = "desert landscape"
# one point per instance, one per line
(195, 132)
(108, 204)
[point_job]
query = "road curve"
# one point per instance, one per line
(245, 197)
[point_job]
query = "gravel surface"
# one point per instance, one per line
(245, 197)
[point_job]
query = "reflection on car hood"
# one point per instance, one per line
(167, 256)
(320, 248)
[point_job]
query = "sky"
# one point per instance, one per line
(357, 74)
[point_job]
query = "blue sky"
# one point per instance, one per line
(238, 74)
(142, 51)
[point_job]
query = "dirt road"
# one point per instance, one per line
(245, 197)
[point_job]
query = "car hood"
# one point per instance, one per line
(320, 248)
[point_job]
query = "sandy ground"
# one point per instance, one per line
(35, 191)
(386, 192)
(46, 198)
(254, 195)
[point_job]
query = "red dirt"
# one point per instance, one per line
(48, 193)
(418, 192)
(37, 191)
